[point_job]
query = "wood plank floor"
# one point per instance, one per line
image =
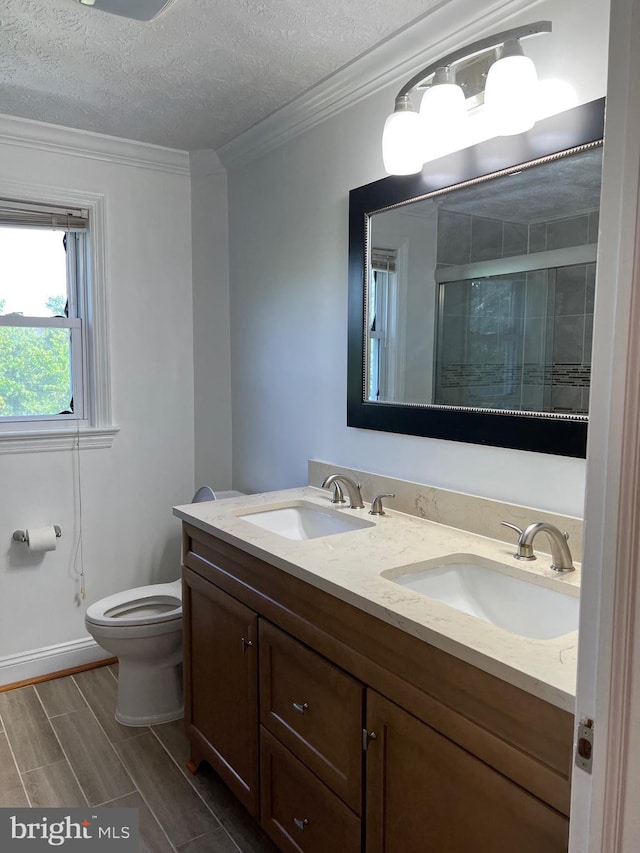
(60, 745)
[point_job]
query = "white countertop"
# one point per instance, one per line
(348, 566)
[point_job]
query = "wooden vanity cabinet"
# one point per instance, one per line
(221, 686)
(341, 732)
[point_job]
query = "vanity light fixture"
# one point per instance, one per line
(139, 10)
(410, 139)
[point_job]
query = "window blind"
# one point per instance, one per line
(29, 214)
(383, 259)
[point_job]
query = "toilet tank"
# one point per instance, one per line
(206, 493)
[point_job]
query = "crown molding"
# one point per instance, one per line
(204, 162)
(443, 28)
(53, 138)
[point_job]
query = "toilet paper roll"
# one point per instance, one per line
(41, 539)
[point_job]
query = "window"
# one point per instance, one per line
(49, 342)
(382, 322)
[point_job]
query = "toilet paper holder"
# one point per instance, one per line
(21, 536)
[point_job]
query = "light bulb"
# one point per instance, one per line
(555, 96)
(511, 92)
(401, 140)
(443, 115)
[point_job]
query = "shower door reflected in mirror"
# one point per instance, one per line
(482, 297)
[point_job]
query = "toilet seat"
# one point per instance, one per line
(143, 605)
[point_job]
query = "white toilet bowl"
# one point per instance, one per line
(142, 627)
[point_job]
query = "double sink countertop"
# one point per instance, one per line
(348, 566)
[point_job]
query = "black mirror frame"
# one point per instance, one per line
(562, 436)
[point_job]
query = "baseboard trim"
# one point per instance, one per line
(50, 662)
(39, 679)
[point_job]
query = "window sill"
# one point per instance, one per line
(41, 441)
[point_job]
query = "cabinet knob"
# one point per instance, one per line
(367, 737)
(301, 708)
(246, 644)
(301, 822)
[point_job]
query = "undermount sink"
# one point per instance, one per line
(480, 588)
(303, 520)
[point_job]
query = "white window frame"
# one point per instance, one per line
(90, 353)
(74, 324)
(390, 362)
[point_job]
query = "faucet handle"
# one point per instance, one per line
(338, 494)
(523, 552)
(515, 527)
(376, 504)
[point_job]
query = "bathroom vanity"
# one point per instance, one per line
(350, 713)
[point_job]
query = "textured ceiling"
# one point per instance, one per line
(196, 77)
(553, 189)
(569, 185)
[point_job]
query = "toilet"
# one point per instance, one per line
(142, 627)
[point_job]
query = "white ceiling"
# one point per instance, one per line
(196, 77)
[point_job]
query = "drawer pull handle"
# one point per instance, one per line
(300, 823)
(246, 644)
(301, 708)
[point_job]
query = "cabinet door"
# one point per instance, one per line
(221, 685)
(427, 795)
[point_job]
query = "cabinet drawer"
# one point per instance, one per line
(297, 810)
(315, 709)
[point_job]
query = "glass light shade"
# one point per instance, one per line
(138, 10)
(555, 96)
(443, 117)
(511, 95)
(401, 143)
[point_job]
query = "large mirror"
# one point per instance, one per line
(471, 291)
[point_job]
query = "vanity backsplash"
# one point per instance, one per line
(466, 512)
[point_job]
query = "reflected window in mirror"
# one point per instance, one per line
(382, 300)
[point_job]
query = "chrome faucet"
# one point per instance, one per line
(353, 488)
(561, 560)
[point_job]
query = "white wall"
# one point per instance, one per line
(212, 352)
(288, 258)
(129, 536)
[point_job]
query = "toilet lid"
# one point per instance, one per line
(143, 605)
